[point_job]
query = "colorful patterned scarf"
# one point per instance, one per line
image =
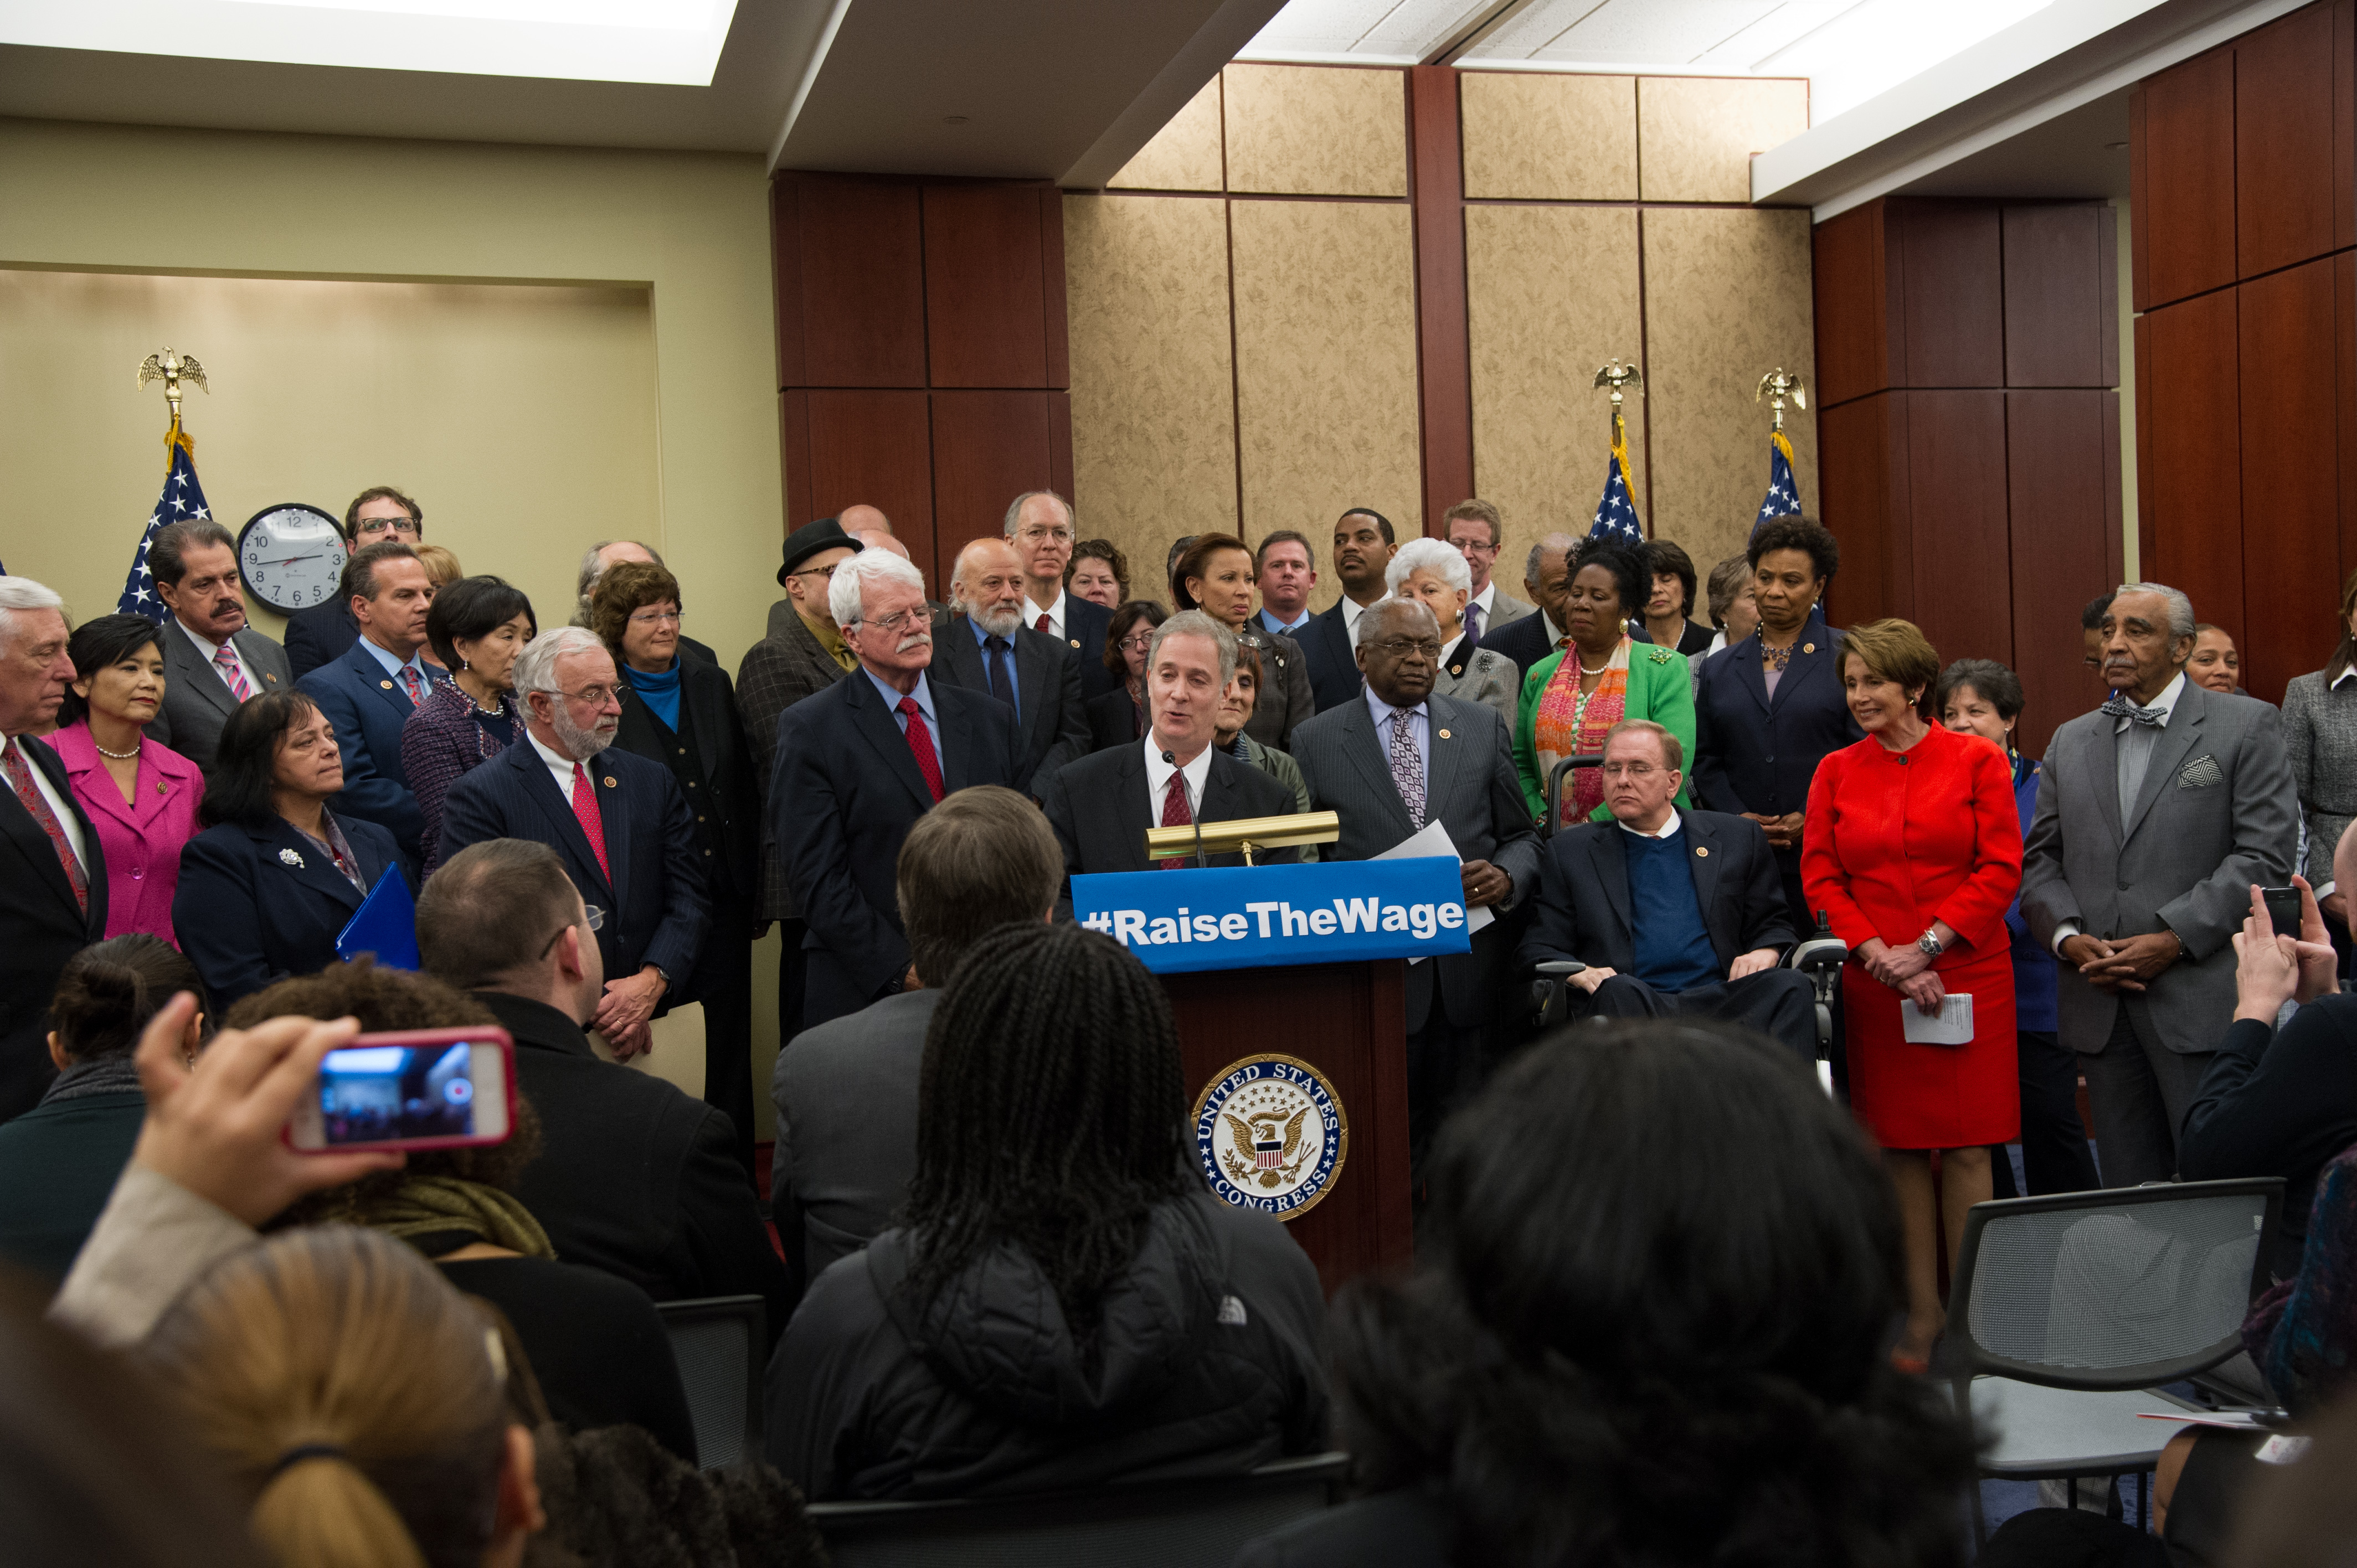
(1571, 723)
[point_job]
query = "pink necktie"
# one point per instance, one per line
(409, 685)
(593, 822)
(1175, 814)
(225, 662)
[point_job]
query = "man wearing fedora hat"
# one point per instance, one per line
(802, 654)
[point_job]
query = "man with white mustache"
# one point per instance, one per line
(619, 821)
(986, 646)
(857, 764)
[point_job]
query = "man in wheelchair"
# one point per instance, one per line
(1670, 912)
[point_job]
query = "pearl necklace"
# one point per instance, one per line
(118, 756)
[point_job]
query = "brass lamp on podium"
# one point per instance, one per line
(1244, 836)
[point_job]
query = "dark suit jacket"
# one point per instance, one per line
(1583, 904)
(320, 635)
(197, 702)
(1053, 725)
(58, 1164)
(728, 817)
(656, 906)
(1754, 755)
(1333, 661)
(369, 712)
(1471, 788)
(1525, 639)
(633, 1177)
(40, 927)
(843, 792)
(1114, 721)
(1085, 623)
(778, 672)
(846, 1099)
(1099, 809)
(258, 904)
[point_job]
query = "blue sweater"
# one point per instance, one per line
(1674, 950)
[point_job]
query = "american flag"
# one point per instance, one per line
(1783, 499)
(1616, 514)
(182, 499)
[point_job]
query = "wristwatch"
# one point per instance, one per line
(1929, 944)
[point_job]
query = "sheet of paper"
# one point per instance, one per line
(1435, 841)
(1951, 1026)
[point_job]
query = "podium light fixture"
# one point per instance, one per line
(1244, 836)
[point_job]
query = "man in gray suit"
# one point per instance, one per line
(846, 1090)
(2156, 813)
(212, 660)
(1392, 761)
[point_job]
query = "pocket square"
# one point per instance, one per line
(2201, 773)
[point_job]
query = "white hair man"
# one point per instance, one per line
(52, 872)
(857, 764)
(620, 824)
(1041, 526)
(1437, 574)
(986, 647)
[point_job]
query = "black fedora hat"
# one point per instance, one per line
(809, 540)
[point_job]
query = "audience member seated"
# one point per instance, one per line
(597, 1347)
(1673, 912)
(58, 1160)
(276, 877)
(1285, 568)
(984, 646)
(1215, 577)
(53, 872)
(1669, 605)
(1476, 530)
(1547, 577)
(634, 1177)
(1612, 1341)
(1434, 574)
(616, 1499)
(857, 765)
(846, 1091)
(322, 634)
(1098, 573)
(1362, 554)
(2215, 662)
(212, 660)
(1235, 711)
(1569, 700)
(1102, 805)
(1039, 528)
(2280, 1102)
(479, 626)
(681, 713)
(370, 689)
(620, 823)
(140, 794)
(1118, 718)
(1064, 1304)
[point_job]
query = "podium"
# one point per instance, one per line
(1348, 1021)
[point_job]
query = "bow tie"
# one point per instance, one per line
(2119, 707)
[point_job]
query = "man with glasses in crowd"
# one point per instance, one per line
(322, 633)
(619, 822)
(1039, 525)
(1476, 528)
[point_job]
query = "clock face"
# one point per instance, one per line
(291, 556)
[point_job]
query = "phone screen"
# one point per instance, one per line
(2283, 909)
(376, 1094)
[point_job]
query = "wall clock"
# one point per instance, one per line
(292, 556)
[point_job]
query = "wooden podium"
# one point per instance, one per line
(1350, 1022)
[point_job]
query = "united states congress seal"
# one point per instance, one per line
(1271, 1134)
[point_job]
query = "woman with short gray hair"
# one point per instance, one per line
(1433, 573)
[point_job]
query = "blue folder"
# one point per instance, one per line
(385, 925)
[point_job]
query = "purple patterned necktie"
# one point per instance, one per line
(1472, 624)
(1407, 768)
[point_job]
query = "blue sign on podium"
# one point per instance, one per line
(1250, 917)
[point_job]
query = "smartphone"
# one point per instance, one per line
(2283, 908)
(416, 1088)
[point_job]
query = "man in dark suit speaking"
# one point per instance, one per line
(1671, 911)
(1102, 805)
(619, 822)
(857, 764)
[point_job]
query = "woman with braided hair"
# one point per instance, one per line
(1064, 1303)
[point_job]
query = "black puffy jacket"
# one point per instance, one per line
(1209, 1361)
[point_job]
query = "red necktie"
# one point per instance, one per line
(921, 742)
(14, 763)
(593, 822)
(1175, 814)
(409, 685)
(1043, 625)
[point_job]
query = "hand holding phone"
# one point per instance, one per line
(416, 1089)
(2283, 910)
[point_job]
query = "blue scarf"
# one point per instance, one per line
(660, 692)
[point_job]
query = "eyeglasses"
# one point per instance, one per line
(386, 525)
(596, 696)
(826, 572)
(1401, 647)
(892, 624)
(657, 618)
(1034, 535)
(1639, 771)
(592, 917)
(1139, 644)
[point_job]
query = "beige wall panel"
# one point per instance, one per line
(1549, 136)
(1552, 294)
(1326, 367)
(1698, 133)
(1727, 300)
(1184, 155)
(1154, 433)
(1308, 130)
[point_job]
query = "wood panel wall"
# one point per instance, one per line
(1969, 352)
(2243, 169)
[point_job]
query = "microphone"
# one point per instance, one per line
(1192, 816)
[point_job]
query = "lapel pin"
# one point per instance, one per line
(386, 684)
(159, 786)
(1076, 642)
(268, 679)
(288, 857)
(1702, 850)
(1808, 647)
(1443, 734)
(608, 781)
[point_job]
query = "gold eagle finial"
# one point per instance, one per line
(172, 369)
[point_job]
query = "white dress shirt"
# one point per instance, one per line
(1157, 779)
(1055, 614)
(208, 651)
(560, 766)
(1668, 830)
(1351, 610)
(2167, 704)
(57, 806)
(1488, 599)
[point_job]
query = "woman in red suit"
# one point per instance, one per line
(1913, 843)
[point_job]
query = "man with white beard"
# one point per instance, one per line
(618, 821)
(985, 647)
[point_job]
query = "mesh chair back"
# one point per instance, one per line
(1179, 1524)
(2116, 1289)
(719, 1343)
